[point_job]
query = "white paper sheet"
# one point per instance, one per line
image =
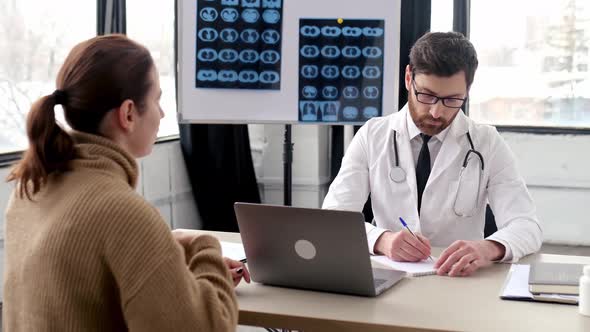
(233, 250)
(518, 283)
(413, 269)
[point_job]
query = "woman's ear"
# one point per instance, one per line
(126, 115)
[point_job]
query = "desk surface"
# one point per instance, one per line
(430, 303)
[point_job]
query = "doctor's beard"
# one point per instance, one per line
(425, 122)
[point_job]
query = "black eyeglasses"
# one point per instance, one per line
(427, 98)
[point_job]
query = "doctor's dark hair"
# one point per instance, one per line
(444, 54)
(96, 77)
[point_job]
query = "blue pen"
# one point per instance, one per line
(409, 230)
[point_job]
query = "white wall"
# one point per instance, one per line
(556, 169)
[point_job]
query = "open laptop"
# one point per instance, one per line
(323, 250)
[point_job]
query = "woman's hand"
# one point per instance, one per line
(238, 270)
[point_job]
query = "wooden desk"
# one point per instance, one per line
(430, 303)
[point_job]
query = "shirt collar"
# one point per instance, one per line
(413, 131)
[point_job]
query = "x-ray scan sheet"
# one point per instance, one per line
(239, 44)
(340, 69)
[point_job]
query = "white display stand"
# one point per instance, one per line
(241, 106)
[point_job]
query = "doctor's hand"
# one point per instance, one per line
(402, 246)
(462, 258)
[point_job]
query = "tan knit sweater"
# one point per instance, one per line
(90, 254)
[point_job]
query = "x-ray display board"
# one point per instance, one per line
(287, 61)
(340, 69)
(238, 44)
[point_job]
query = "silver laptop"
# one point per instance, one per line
(323, 250)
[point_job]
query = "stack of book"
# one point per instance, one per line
(549, 279)
(555, 278)
(545, 282)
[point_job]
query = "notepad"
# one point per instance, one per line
(233, 250)
(413, 269)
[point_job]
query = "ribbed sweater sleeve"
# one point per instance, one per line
(158, 291)
(171, 300)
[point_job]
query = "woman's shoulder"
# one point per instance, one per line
(107, 201)
(125, 205)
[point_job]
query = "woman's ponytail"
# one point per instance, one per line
(50, 147)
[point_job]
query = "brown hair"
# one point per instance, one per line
(96, 77)
(444, 54)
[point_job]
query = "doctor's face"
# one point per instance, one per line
(434, 101)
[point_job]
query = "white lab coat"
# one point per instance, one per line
(370, 157)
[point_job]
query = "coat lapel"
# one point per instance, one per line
(406, 160)
(451, 147)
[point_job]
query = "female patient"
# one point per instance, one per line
(84, 251)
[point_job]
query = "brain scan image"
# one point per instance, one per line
(208, 34)
(230, 15)
(228, 55)
(310, 51)
(209, 14)
(251, 3)
(249, 36)
(270, 57)
(248, 76)
(271, 36)
(207, 55)
(274, 4)
(309, 92)
(229, 35)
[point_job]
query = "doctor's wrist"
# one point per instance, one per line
(383, 243)
(495, 251)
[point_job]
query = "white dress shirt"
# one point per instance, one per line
(416, 141)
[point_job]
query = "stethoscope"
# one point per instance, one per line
(398, 175)
(470, 200)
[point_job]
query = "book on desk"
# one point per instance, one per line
(555, 278)
(516, 288)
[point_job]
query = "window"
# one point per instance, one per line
(441, 18)
(36, 38)
(534, 63)
(152, 24)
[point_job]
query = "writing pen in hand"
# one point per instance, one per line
(409, 230)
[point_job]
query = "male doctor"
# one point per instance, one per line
(437, 169)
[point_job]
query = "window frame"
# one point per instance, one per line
(9, 158)
(462, 23)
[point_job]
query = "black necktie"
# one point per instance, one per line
(423, 168)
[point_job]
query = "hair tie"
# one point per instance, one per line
(60, 97)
